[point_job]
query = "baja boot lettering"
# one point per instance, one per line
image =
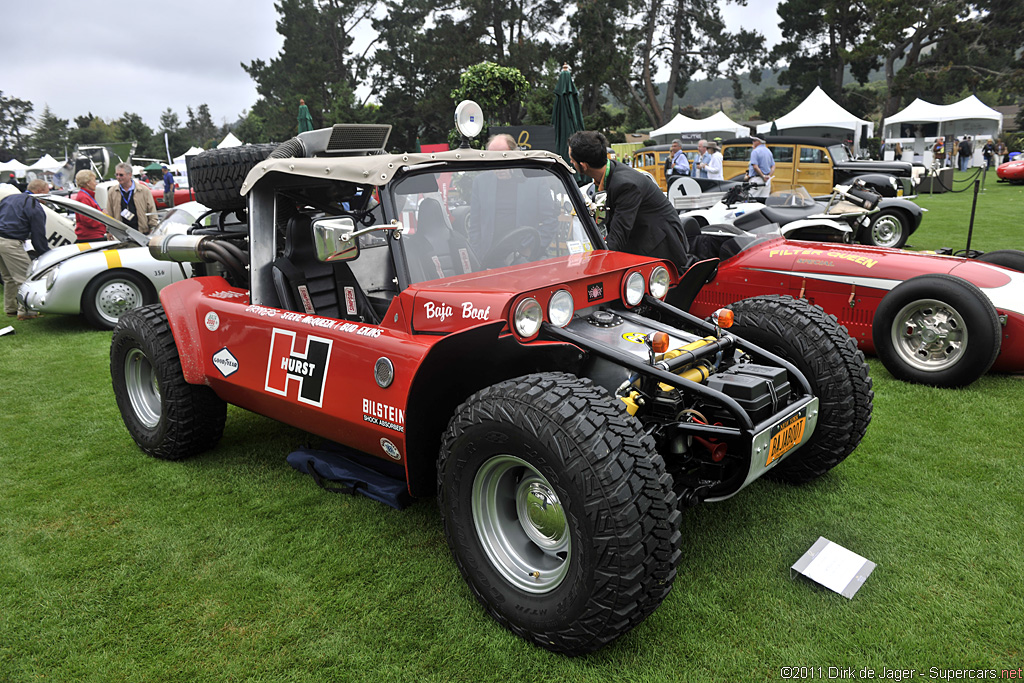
(440, 311)
(306, 369)
(468, 311)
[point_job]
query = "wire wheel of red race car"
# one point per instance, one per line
(888, 228)
(168, 417)
(823, 351)
(936, 329)
(558, 511)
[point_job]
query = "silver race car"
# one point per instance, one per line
(103, 280)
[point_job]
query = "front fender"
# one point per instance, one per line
(916, 212)
(180, 302)
(456, 366)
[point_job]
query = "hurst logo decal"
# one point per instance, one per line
(298, 370)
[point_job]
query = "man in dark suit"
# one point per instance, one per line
(640, 218)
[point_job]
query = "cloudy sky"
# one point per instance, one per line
(143, 57)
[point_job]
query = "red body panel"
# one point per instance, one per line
(181, 195)
(317, 373)
(849, 281)
(1011, 170)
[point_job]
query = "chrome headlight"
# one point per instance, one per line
(528, 317)
(51, 277)
(633, 292)
(561, 308)
(659, 282)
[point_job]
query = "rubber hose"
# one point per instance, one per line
(288, 149)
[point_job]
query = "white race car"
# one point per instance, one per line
(103, 280)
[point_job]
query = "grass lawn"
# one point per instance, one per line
(232, 566)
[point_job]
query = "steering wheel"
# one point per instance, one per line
(513, 246)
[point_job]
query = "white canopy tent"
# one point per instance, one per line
(969, 116)
(721, 125)
(717, 124)
(192, 151)
(820, 116)
(14, 165)
(672, 128)
(229, 141)
(45, 163)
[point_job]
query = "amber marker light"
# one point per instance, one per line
(659, 342)
(722, 318)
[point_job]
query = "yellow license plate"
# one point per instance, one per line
(786, 435)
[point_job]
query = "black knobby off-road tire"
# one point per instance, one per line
(168, 417)
(823, 351)
(938, 330)
(216, 175)
(597, 551)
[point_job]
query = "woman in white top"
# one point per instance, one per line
(714, 167)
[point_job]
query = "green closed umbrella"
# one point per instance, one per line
(567, 115)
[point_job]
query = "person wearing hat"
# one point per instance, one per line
(762, 164)
(714, 164)
(168, 188)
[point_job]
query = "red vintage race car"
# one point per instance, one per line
(931, 319)
(1012, 171)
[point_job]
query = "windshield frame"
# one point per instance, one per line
(392, 203)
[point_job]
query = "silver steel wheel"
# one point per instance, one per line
(142, 388)
(887, 231)
(929, 335)
(117, 297)
(521, 524)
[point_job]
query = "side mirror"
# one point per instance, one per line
(335, 239)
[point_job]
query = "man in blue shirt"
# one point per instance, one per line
(678, 164)
(762, 165)
(21, 218)
(168, 188)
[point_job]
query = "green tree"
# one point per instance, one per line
(200, 126)
(499, 90)
(821, 41)
(598, 23)
(132, 127)
(681, 38)
(15, 117)
(250, 128)
(95, 131)
(316, 63)
(50, 135)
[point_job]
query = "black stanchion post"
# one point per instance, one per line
(974, 205)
